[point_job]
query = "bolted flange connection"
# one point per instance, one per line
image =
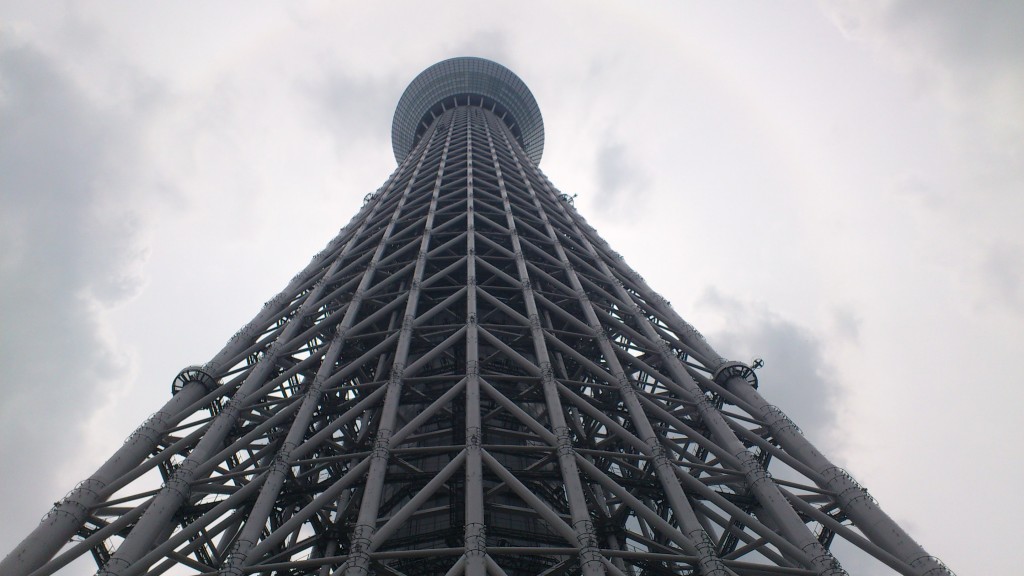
(732, 369)
(192, 374)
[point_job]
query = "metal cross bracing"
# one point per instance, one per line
(467, 380)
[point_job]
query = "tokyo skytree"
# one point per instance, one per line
(467, 380)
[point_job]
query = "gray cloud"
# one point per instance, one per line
(987, 34)
(351, 108)
(1002, 269)
(796, 376)
(931, 105)
(69, 249)
(621, 182)
(972, 55)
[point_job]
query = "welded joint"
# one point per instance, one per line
(71, 504)
(659, 455)
(237, 557)
(564, 444)
(397, 372)
(212, 368)
(381, 444)
(823, 560)
(148, 431)
(274, 350)
(114, 567)
(474, 437)
(938, 568)
(777, 421)
(359, 550)
(277, 301)
(753, 472)
(664, 348)
(705, 407)
(547, 372)
(625, 387)
(476, 539)
(693, 331)
(180, 481)
(323, 253)
(586, 538)
(534, 321)
(235, 405)
(244, 333)
(280, 463)
(90, 486)
(848, 491)
(707, 555)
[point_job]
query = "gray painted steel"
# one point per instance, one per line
(460, 81)
(467, 380)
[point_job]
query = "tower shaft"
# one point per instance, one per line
(467, 380)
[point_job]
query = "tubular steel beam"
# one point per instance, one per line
(468, 381)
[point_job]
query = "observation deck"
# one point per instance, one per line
(467, 81)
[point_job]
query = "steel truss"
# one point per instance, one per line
(467, 380)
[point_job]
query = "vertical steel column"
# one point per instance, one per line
(177, 489)
(358, 563)
(765, 491)
(700, 542)
(265, 502)
(852, 498)
(583, 526)
(68, 515)
(475, 528)
(307, 385)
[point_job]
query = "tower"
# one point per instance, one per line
(467, 380)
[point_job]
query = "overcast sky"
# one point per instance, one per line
(835, 187)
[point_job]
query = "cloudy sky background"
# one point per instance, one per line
(834, 187)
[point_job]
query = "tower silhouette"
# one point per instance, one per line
(467, 380)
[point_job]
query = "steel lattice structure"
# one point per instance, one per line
(467, 380)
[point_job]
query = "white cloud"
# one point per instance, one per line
(796, 375)
(71, 250)
(863, 185)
